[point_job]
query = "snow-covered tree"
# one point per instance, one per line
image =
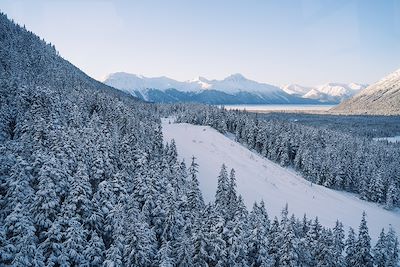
(351, 248)
(363, 246)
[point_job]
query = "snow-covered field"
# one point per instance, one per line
(259, 178)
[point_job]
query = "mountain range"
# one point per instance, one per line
(381, 98)
(234, 89)
(329, 92)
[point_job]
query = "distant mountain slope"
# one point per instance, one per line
(234, 89)
(296, 89)
(381, 98)
(232, 84)
(329, 92)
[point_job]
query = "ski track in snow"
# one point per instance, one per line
(259, 178)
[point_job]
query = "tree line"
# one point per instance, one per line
(330, 158)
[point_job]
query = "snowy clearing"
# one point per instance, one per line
(259, 178)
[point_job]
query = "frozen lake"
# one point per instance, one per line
(286, 107)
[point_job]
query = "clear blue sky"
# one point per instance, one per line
(284, 41)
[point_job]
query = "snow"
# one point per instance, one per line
(131, 82)
(393, 139)
(296, 89)
(200, 81)
(259, 178)
(329, 89)
(388, 83)
(232, 84)
(238, 83)
(313, 94)
(341, 89)
(380, 98)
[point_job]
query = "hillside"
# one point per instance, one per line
(70, 148)
(261, 179)
(381, 98)
(28, 61)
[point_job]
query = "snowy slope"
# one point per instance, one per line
(238, 83)
(315, 94)
(296, 89)
(381, 98)
(391, 81)
(341, 89)
(259, 178)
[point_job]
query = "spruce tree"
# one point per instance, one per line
(379, 251)
(338, 244)
(221, 196)
(392, 248)
(363, 246)
(288, 251)
(194, 195)
(351, 248)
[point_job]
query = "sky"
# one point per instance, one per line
(309, 42)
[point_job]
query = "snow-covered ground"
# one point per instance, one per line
(259, 178)
(393, 139)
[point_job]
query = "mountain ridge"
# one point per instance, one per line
(380, 98)
(233, 89)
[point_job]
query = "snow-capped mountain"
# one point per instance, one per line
(232, 84)
(201, 82)
(238, 83)
(341, 89)
(234, 89)
(132, 82)
(296, 89)
(383, 98)
(329, 92)
(315, 94)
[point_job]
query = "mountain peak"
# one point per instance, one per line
(235, 77)
(199, 79)
(125, 75)
(204, 83)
